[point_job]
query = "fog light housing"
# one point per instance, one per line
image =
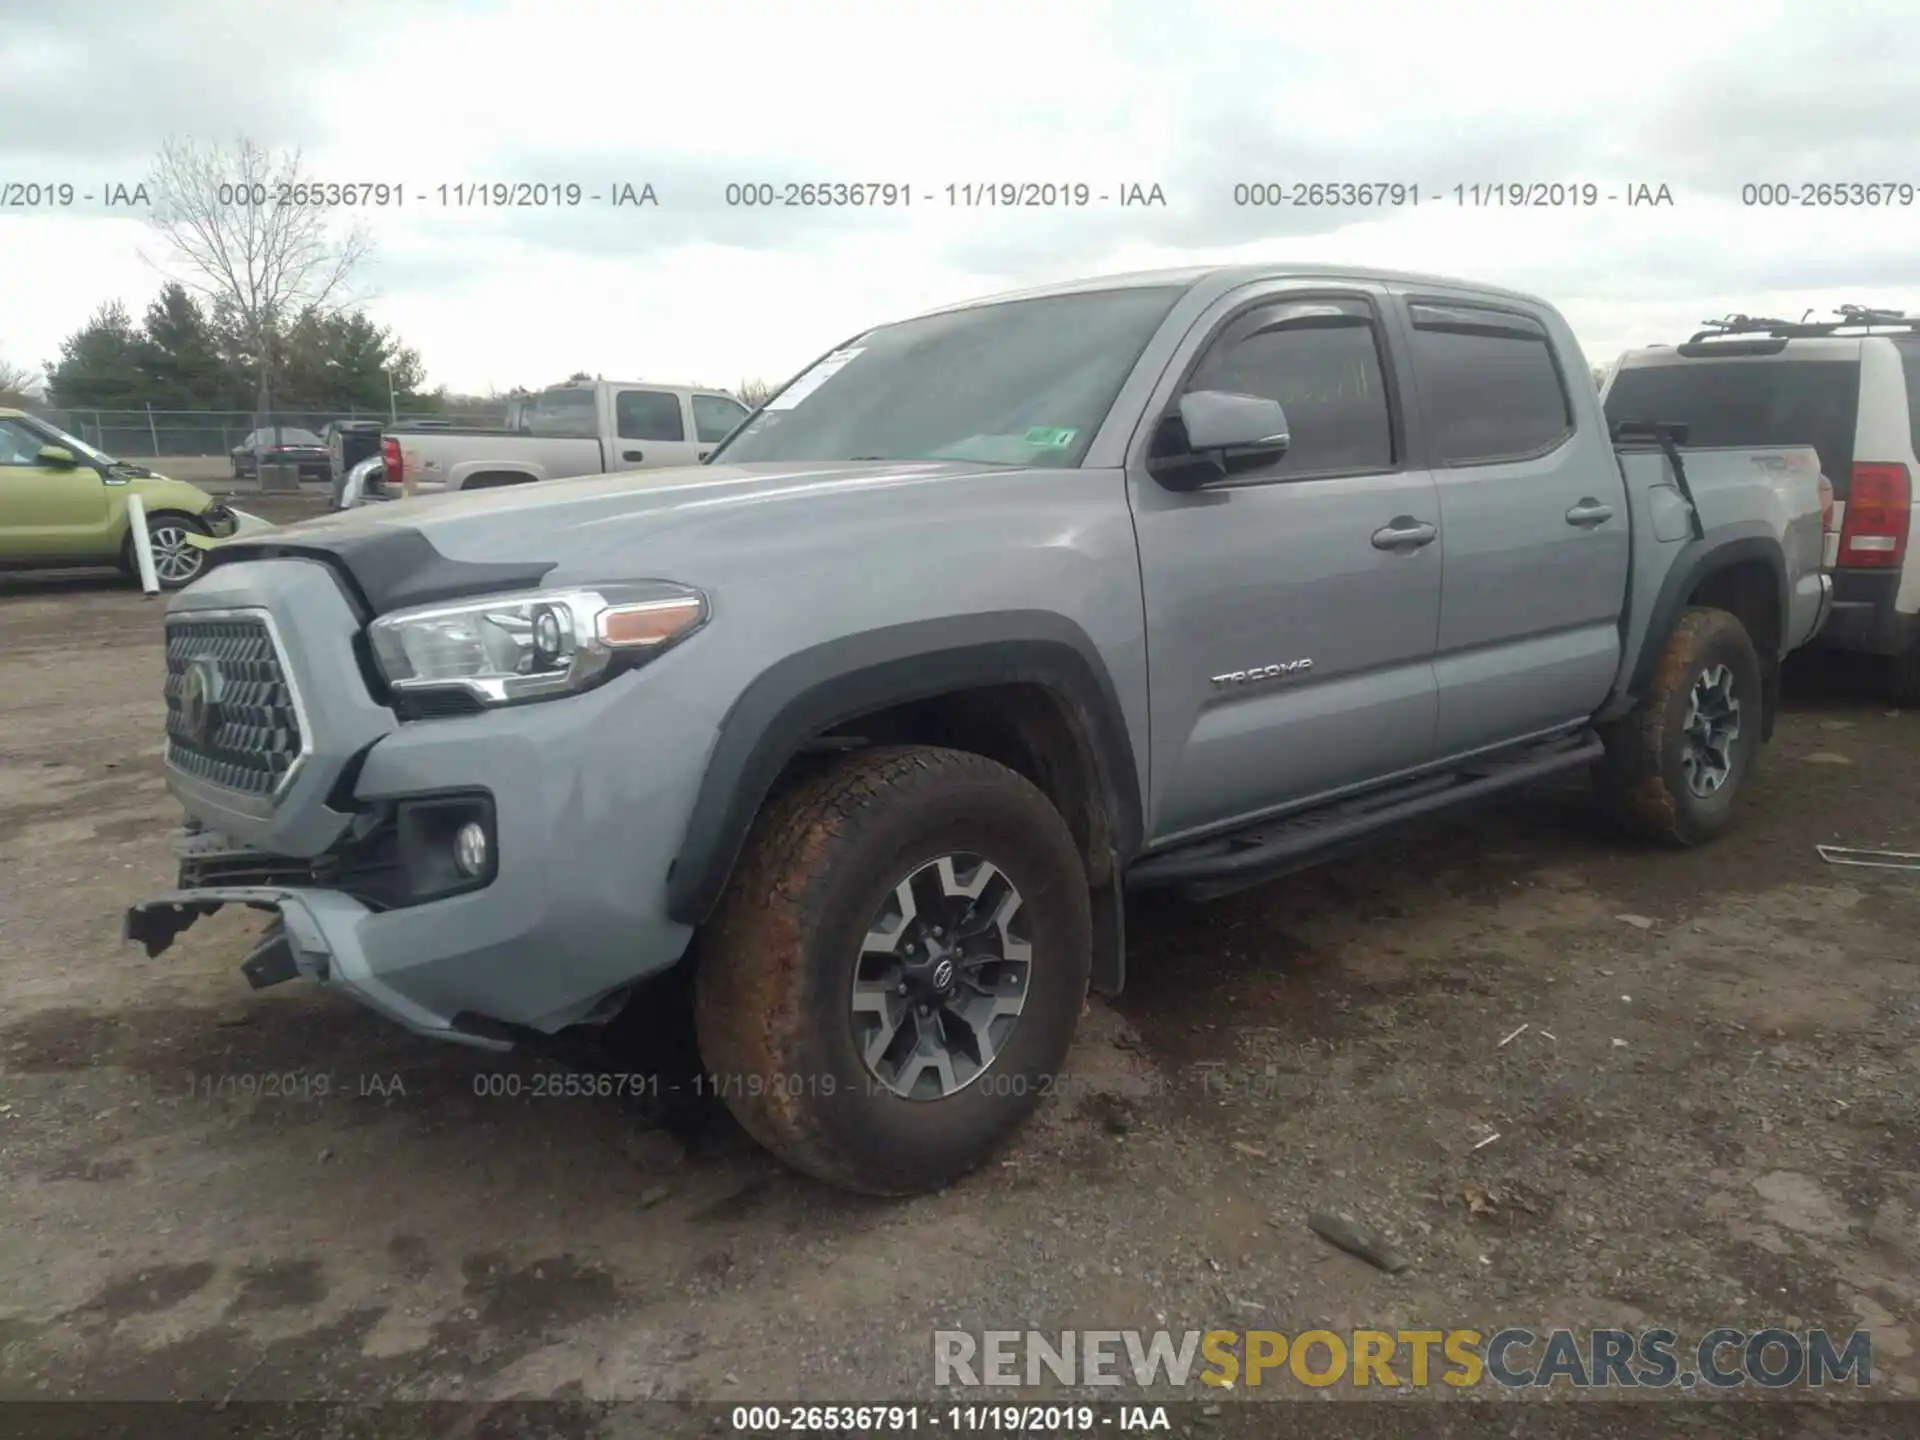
(470, 849)
(448, 844)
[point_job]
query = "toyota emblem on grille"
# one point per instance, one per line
(200, 700)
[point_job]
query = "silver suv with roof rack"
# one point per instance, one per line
(1849, 387)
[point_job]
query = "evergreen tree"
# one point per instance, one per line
(99, 366)
(180, 358)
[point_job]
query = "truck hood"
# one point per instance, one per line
(432, 548)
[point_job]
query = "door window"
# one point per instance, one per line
(18, 445)
(1489, 385)
(648, 415)
(1910, 367)
(1321, 360)
(714, 417)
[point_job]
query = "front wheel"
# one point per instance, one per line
(1675, 766)
(177, 561)
(891, 981)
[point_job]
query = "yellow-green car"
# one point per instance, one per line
(64, 504)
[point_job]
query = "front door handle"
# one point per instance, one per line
(1589, 512)
(1404, 533)
(634, 455)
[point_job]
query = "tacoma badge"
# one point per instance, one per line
(1262, 672)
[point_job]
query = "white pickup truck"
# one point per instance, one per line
(592, 428)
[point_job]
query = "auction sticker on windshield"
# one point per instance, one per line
(815, 378)
(1051, 437)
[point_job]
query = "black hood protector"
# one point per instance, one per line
(389, 568)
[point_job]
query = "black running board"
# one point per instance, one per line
(1222, 865)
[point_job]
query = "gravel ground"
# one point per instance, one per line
(1710, 1117)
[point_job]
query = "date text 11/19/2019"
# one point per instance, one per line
(1480, 195)
(1051, 1420)
(57, 194)
(961, 195)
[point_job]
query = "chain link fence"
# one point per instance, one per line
(147, 434)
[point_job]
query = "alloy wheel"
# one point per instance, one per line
(176, 559)
(1712, 725)
(941, 978)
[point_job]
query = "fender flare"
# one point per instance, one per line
(1699, 560)
(801, 696)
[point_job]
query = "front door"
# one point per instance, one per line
(651, 430)
(1291, 611)
(714, 418)
(48, 512)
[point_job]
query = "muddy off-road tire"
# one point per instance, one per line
(824, 945)
(1675, 765)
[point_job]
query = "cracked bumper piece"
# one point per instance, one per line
(317, 937)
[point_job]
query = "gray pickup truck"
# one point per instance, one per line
(856, 736)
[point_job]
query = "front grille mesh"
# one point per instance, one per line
(252, 735)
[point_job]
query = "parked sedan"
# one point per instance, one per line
(285, 445)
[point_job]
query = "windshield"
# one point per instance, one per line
(1749, 403)
(1023, 382)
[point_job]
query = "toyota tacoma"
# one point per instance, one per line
(864, 728)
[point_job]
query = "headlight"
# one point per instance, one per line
(527, 647)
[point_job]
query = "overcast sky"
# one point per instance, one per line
(1195, 98)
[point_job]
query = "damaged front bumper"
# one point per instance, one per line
(316, 937)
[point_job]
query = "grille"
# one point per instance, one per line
(230, 714)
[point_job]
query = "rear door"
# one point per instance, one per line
(651, 428)
(1535, 516)
(1290, 611)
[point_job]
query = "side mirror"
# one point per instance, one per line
(56, 457)
(1225, 434)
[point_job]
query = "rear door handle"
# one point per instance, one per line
(1404, 533)
(1589, 512)
(634, 455)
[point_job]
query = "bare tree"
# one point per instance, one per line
(234, 223)
(19, 387)
(754, 393)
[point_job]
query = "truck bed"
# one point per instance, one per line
(436, 460)
(1764, 492)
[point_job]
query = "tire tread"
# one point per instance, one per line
(1630, 778)
(748, 1001)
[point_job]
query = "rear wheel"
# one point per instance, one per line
(1675, 766)
(893, 977)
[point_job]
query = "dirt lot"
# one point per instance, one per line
(1713, 1116)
